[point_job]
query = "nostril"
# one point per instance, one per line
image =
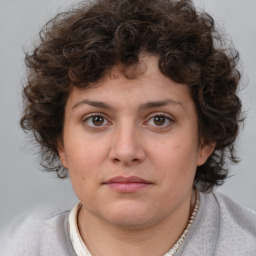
(116, 160)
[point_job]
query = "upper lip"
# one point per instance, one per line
(130, 179)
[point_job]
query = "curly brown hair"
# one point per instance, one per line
(80, 46)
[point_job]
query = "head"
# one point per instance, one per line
(81, 48)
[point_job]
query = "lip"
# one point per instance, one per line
(129, 184)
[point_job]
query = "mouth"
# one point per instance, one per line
(130, 184)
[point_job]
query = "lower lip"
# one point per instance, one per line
(128, 187)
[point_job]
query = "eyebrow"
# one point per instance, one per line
(97, 104)
(144, 106)
(156, 104)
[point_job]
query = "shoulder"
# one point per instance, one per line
(232, 212)
(37, 235)
(237, 226)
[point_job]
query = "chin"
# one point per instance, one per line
(130, 216)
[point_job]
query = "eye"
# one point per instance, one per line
(160, 121)
(95, 121)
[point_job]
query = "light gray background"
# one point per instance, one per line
(22, 185)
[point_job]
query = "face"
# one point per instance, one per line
(132, 147)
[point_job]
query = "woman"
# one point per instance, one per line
(137, 102)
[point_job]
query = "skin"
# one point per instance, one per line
(133, 138)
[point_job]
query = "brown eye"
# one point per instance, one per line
(95, 121)
(98, 120)
(159, 120)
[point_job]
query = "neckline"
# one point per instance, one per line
(82, 250)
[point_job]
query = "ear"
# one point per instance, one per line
(61, 152)
(206, 148)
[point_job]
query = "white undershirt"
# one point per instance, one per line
(77, 242)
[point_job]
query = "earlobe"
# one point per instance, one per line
(206, 149)
(62, 153)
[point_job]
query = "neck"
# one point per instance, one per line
(103, 238)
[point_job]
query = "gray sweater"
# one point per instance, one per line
(221, 228)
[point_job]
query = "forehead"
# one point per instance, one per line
(132, 86)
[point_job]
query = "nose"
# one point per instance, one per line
(126, 146)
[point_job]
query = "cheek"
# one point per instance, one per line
(176, 161)
(83, 172)
(86, 159)
(80, 162)
(85, 151)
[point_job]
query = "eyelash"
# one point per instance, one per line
(95, 127)
(89, 117)
(167, 118)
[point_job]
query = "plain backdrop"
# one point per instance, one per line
(22, 185)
